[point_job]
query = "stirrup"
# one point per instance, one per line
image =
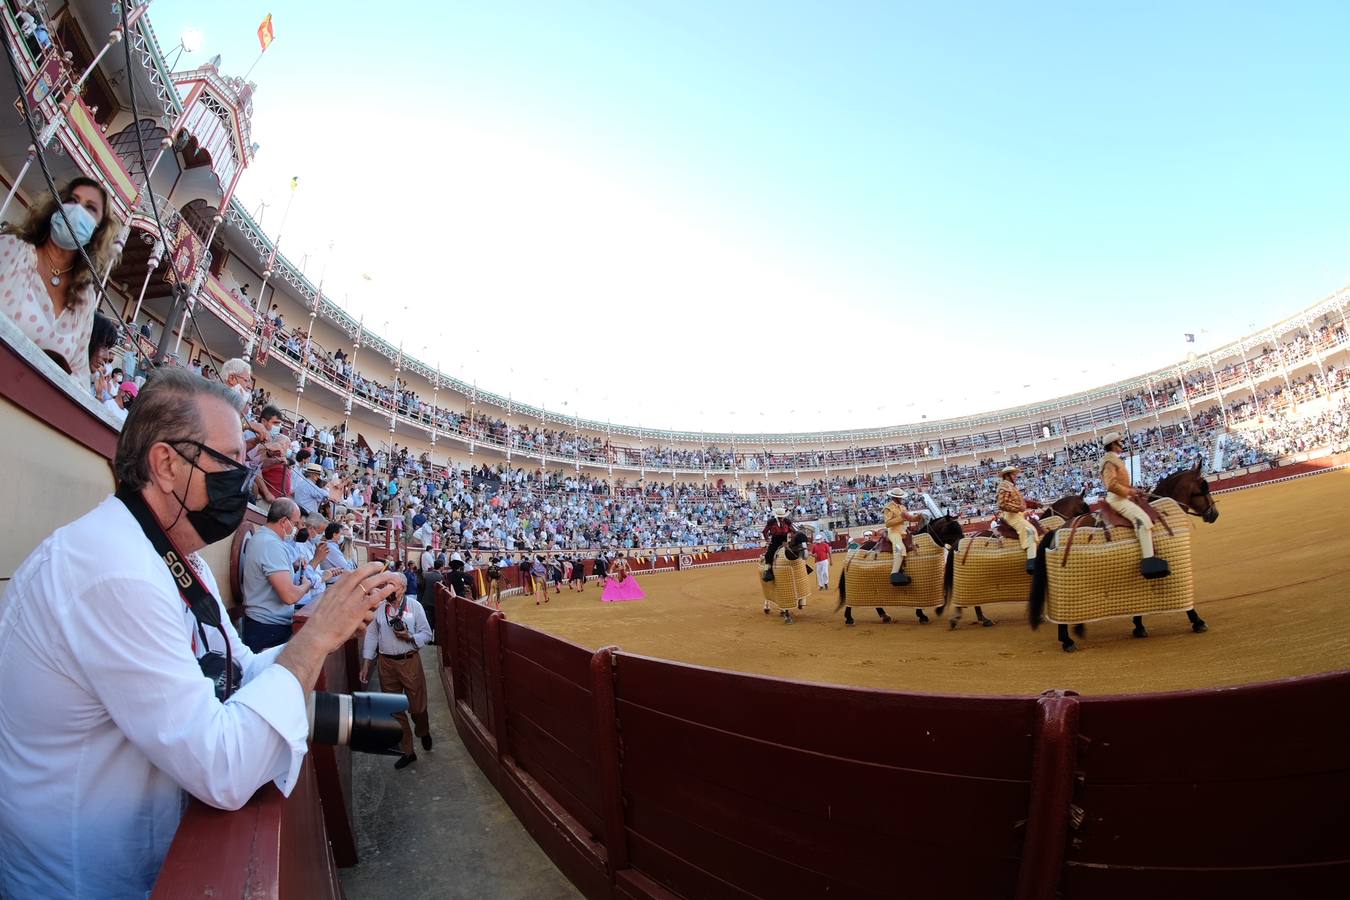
(900, 579)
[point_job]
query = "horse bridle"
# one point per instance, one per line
(1186, 507)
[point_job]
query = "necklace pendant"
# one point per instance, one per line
(56, 281)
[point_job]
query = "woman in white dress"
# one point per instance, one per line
(46, 289)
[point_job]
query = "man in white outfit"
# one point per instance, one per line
(113, 644)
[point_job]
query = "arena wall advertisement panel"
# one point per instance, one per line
(660, 779)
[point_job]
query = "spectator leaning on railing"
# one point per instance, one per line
(122, 681)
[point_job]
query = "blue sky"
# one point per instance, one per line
(635, 210)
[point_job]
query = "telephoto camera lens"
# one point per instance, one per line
(363, 721)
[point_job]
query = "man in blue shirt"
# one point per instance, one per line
(308, 495)
(267, 578)
(334, 559)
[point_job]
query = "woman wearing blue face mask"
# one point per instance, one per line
(46, 289)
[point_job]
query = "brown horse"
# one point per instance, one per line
(1071, 506)
(1191, 492)
(1068, 508)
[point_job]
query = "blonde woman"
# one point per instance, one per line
(45, 287)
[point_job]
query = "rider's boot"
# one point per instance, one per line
(1154, 567)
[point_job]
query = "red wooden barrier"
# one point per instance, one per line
(272, 847)
(646, 778)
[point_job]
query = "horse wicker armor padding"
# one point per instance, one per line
(993, 569)
(1093, 576)
(790, 586)
(869, 576)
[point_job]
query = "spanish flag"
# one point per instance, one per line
(265, 33)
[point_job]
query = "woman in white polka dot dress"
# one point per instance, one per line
(45, 287)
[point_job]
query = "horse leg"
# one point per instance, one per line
(956, 618)
(885, 619)
(1139, 630)
(1197, 624)
(983, 619)
(1080, 629)
(923, 619)
(1065, 641)
(848, 615)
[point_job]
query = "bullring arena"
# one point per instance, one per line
(569, 337)
(1272, 580)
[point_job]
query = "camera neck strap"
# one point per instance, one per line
(205, 609)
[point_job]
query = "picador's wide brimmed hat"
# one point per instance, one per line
(1110, 438)
(896, 493)
(1009, 470)
(780, 512)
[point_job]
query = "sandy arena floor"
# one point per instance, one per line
(1272, 581)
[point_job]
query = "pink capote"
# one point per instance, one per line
(625, 589)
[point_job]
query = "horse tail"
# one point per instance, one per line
(1040, 584)
(948, 574)
(843, 596)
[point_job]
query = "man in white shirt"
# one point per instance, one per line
(399, 630)
(106, 716)
(119, 403)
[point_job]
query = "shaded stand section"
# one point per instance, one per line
(648, 778)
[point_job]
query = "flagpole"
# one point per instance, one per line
(255, 65)
(268, 271)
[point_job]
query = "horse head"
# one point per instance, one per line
(1190, 489)
(945, 530)
(1072, 506)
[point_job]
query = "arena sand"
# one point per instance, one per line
(1272, 581)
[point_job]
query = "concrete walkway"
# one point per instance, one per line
(438, 829)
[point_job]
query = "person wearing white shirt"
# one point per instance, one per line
(399, 630)
(94, 762)
(119, 403)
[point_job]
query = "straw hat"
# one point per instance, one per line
(896, 493)
(313, 469)
(1110, 438)
(1009, 470)
(780, 512)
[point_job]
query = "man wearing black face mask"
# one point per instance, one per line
(106, 632)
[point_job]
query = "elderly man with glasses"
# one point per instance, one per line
(123, 684)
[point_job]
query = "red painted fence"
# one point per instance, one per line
(647, 778)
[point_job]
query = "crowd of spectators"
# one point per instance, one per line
(503, 509)
(540, 440)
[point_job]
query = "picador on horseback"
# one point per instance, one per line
(1012, 511)
(896, 515)
(1120, 496)
(776, 532)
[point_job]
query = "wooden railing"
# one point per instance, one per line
(281, 847)
(642, 777)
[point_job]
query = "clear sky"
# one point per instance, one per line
(781, 215)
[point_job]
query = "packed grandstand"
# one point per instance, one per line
(527, 502)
